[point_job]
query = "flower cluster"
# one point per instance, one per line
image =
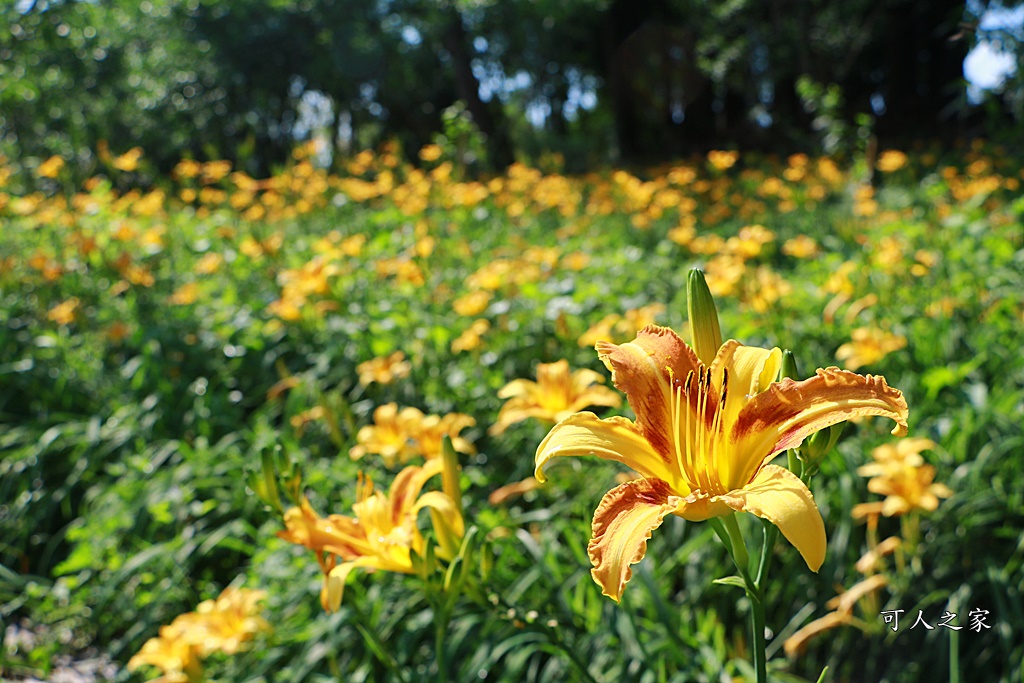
(399, 435)
(225, 624)
(554, 396)
(383, 532)
(899, 473)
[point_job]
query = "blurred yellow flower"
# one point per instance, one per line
(224, 624)
(868, 345)
(50, 168)
(176, 658)
(431, 430)
(139, 275)
(800, 246)
(392, 435)
(750, 241)
(576, 260)
(184, 295)
(843, 605)
(766, 289)
(384, 369)
(212, 171)
(871, 561)
(430, 153)
(891, 160)
(724, 274)
(187, 168)
(722, 160)
(64, 313)
(904, 453)
(129, 161)
(601, 331)
(908, 488)
(616, 327)
(209, 263)
(554, 396)
(117, 331)
(472, 304)
(684, 233)
(471, 338)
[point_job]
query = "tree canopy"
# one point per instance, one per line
(596, 79)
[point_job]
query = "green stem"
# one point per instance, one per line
(728, 530)
(373, 641)
(757, 626)
(771, 535)
(739, 547)
(441, 629)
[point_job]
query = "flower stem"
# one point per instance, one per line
(739, 548)
(440, 630)
(728, 530)
(759, 645)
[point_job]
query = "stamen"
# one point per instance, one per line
(725, 385)
(717, 464)
(690, 464)
(702, 454)
(673, 406)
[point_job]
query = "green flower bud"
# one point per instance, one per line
(450, 473)
(705, 332)
(789, 365)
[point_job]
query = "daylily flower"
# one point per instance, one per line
(908, 488)
(177, 658)
(702, 441)
(384, 369)
(391, 435)
(554, 396)
(891, 458)
(382, 534)
(226, 623)
(401, 435)
(869, 345)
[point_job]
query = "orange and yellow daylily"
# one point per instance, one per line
(703, 438)
(555, 395)
(382, 534)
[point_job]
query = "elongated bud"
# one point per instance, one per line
(821, 443)
(271, 495)
(450, 473)
(789, 366)
(705, 332)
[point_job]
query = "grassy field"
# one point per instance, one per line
(169, 358)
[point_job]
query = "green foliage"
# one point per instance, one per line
(126, 452)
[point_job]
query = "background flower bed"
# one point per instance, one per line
(154, 344)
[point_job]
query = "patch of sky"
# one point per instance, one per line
(992, 60)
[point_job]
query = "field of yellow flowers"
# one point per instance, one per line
(286, 429)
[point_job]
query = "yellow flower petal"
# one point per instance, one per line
(447, 520)
(614, 438)
(797, 642)
(622, 524)
(334, 582)
(788, 411)
(751, 369)
(406, 487)
(778, 495)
